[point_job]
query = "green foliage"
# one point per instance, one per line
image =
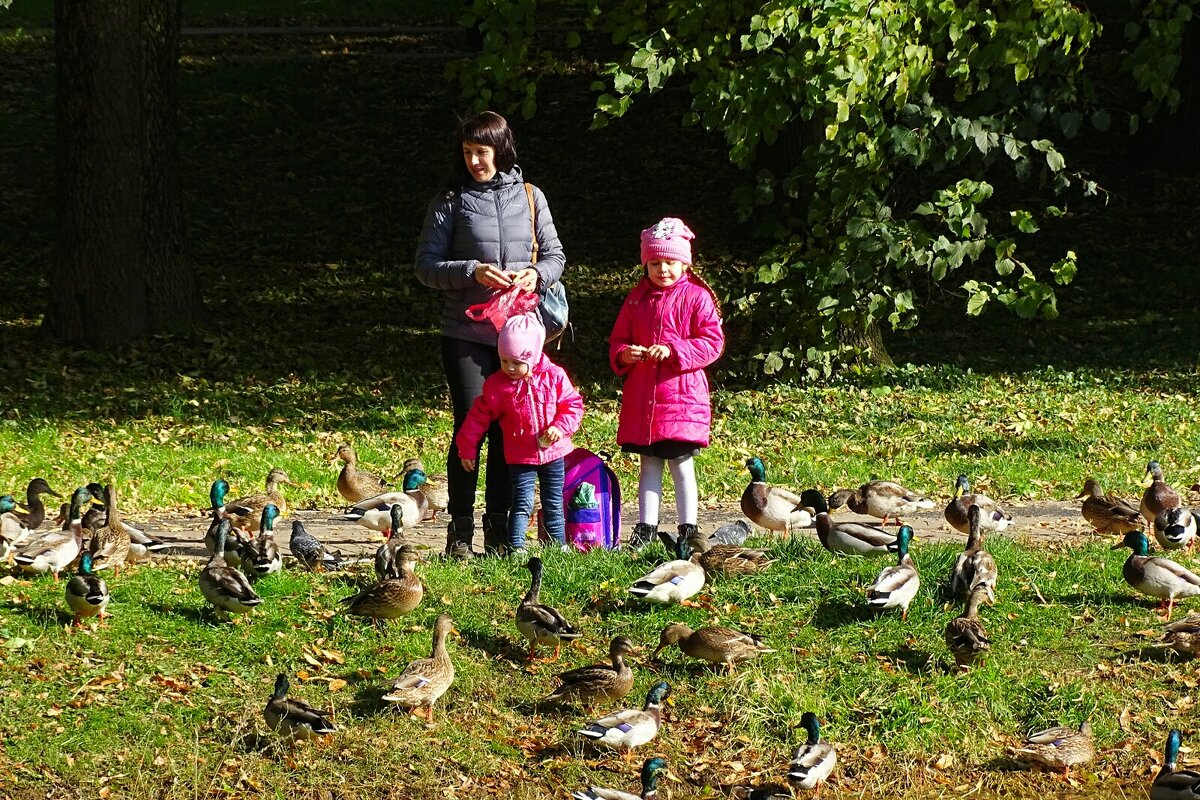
(870, 131)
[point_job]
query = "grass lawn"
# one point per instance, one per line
(305, 172)
(164, 701)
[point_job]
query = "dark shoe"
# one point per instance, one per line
(668, 541)
(643, 534)
(495, 534)
(459, 534)
(691, 534)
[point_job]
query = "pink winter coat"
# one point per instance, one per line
(667, 399)
(524, 407)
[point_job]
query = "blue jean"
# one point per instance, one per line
(549, 477)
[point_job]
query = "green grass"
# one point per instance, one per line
(165, 701)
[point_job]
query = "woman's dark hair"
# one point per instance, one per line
(491, 129)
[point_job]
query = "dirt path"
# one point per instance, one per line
(1040, 521)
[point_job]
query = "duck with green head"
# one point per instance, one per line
(631, 727)
(1156, 576)
(12, 531)
(895, 587)
(87, 593)
(260, 556)
(1172, 783)
(814, 761)
(651, 769)
(772, 507)
(53, 551)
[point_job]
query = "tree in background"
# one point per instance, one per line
(118, 271)
(873, 133)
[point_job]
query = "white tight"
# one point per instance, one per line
(683, 475)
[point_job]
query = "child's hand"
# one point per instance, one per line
(468, 464)
(658, 352)
(633, 354)
(550, 436)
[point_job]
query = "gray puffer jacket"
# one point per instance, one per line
(484, 223)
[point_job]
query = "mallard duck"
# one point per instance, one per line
(222, 510)
(540, 623)
(387, 556)
(110, 544)
(260, 556)
(390, 598)
(294, 719)
(772, 507)
(249, 521)
(896, 586)
(228, 590)
(355, 484)
(426, 679)
(768, 791)
(1158, 495)
(404, 507)
(881, 499)
(854, 538)
(1183, 636)
(35, 514)
(726, 559)
(994, 517)
(53, 551)
(87, 593)
(13, 532)
(1172, 783)
(1156, 576)
(1175, 528)
(1106, 513)
(814, 760)
(715, 644)
(974, 566)
(586, 685)
(310, 553)
(434, 487)
(632, 727)
(964, 634)
(650, 771)
(1060, 748)
(673, 581)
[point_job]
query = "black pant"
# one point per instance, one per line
(467, 364)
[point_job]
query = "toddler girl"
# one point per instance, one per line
(668, 331)
(538, 410)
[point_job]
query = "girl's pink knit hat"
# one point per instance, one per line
(522, 338)
(669, 240)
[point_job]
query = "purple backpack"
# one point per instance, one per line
(591, 502)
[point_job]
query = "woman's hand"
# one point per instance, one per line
(527, 279)
(468, 464)
(658, 352)
(493, 277)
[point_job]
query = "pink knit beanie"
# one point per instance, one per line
(521, 338)
(669, 240)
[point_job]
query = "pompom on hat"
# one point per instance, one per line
(522, 338)
(669, 240)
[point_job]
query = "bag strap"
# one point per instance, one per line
(533, 251)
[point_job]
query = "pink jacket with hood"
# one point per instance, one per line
(667, 399)
(524, 407)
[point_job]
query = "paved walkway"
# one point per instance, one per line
(1042, 521)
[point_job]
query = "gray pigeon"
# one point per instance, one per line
(309, 551)
(732, 533)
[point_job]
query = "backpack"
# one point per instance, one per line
(591, 502)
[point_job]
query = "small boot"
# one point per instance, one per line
(696, 540)
(495, 534)
(459, 534)
(643, 534)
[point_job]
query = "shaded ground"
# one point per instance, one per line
(1053, 520)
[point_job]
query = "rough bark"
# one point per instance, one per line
(868, 342)
(118, 271)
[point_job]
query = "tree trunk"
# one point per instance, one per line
(868, 342)
(118, 270)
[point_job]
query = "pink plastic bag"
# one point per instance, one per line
(501, 305)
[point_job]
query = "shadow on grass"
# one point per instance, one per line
(495, 646)
(202, 615)
(914, 662)
(838, 613)
(1157, 654)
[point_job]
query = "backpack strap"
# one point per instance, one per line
(533, 250)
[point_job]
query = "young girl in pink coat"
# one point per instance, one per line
(538, 410)
(668, 331)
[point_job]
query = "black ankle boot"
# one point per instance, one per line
(643, 534)
(495, 534)
(459, 534)
(697, 541)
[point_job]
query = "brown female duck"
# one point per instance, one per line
(1107, 513)
(1158, 495)
(599, 681)
(355, 484)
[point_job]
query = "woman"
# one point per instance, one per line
(476, 241)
